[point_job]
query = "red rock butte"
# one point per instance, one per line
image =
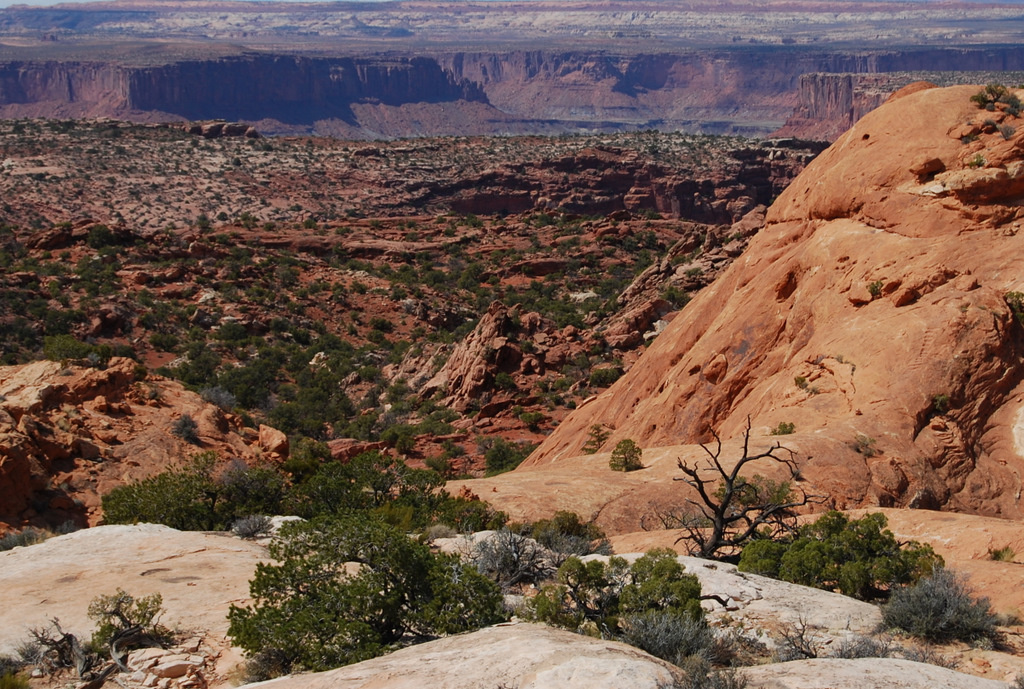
(871, 313)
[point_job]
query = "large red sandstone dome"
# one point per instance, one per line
(871, 313)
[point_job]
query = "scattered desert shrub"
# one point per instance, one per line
(252, 527)
(532, 419)
(1015, 300)
(9, 669)
(122, 614)
(500, 455)
(666, 634)
(859, 558)
(864, 647)
(784, 428)
(219, 396)
(994, 94)
(603, 377)
(1004, 554)
(509, 558)
(436, 531)
(865, 445)
(13, 680)
(926, 654)
(192, 498)
(626, 456)
(66, 347)
(653, 602)
(940, 608)
(596, 437)
(798, 641)
(312, 611)
(186, 428)
(699, 675)
(564, 534)
(27, 536)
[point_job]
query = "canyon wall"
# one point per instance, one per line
(829, 103)
(750, 90)
(63, 82)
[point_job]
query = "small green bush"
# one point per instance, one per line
(116, 614)
(859, 558)
(699, 675)
(186, 428)
(667, 635)
(252, 527)
(532, 419)
(1015, 300)
(596, 437)
(566, 534)
(312, 611)
(865, 445)
(603, 377)
(653, 603)
(784, 428)
(509, 558)
(500, 455)
(65, 347)
(27, 536)
(1004, 554)
(13, 680)
(626, 456)
(940, 608)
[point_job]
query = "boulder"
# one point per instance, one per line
(527, 656)
(273, 441)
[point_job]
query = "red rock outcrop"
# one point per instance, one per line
(871, 312)
(830, 103)
(69, 434)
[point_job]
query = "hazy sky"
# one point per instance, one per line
(39, 3)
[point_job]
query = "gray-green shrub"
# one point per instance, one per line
(940, 608)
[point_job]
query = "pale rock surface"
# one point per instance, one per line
(199, 576)
(527, 656)
(862, 673)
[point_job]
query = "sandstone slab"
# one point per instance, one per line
(862, 673)
(526, 656)
(199, 576)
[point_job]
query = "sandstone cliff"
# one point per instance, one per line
(376, 93)
(871, 312)
(830, 103)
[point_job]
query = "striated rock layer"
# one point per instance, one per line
(446, 90)
(830, 103)
(871, 313)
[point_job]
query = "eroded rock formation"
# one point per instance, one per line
(871, 312)
(71, 433)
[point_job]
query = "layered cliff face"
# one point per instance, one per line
(875, 312)
(293, 89)
(830, 103)
(749, 91)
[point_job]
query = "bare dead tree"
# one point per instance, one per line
(731, 508)
(62, 650)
